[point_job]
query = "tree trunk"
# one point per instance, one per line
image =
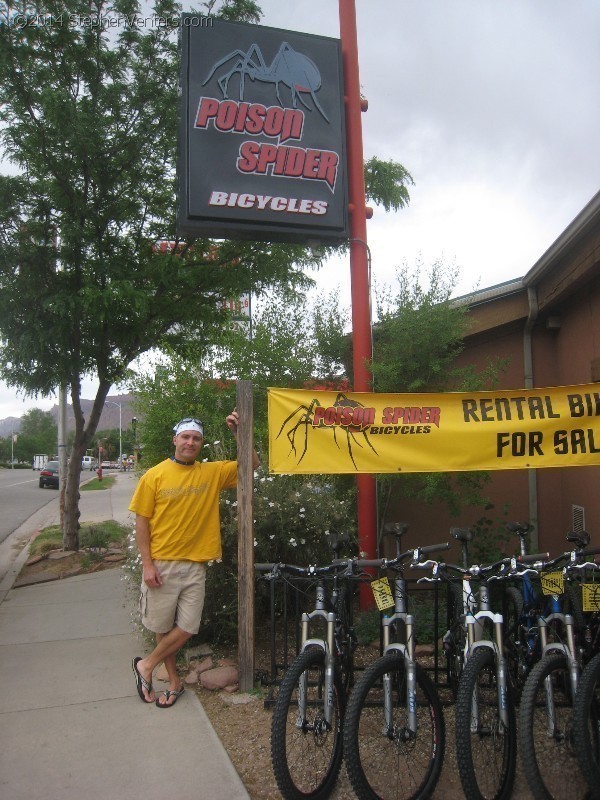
(83, 437)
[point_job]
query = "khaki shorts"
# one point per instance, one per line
(180, 599)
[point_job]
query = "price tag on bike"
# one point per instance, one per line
(552, 583)
(382, 593)
(590, 596)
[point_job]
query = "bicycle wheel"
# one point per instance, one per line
(586, 725)
(384, 758)
(546, 732)
(516, 650)
(486, 749)
(306, 752)
(455, 637)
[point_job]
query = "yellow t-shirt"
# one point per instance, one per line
(182, 504)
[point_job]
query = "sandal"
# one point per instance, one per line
(167, 695)
(141, 682)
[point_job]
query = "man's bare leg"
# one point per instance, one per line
(167, 645)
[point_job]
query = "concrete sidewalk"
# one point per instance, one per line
(72, 726)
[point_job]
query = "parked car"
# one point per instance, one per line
(106, 465)
(89, 462)
(49, 475)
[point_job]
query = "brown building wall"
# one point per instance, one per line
(565, 350)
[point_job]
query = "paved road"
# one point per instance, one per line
(20, 497)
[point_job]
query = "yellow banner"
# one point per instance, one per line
(330, 432)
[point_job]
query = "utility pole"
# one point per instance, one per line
(359, 267)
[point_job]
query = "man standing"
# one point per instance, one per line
(176, 505)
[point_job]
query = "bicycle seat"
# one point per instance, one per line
(579, 538)
(395, 528)
(338, 542)
(520, 528)
(462, 534)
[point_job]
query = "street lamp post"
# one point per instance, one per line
(112, 403)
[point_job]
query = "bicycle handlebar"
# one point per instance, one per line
(351, 564)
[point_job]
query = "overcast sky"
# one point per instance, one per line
(493, 107)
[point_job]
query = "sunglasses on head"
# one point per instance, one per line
(187, 421)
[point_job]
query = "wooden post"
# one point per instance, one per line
(245, 507)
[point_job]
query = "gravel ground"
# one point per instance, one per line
(244, 729)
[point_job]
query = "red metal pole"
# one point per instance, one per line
(359, 265)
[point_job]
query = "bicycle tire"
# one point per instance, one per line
(548, 756)
(456, 637)
(515, 644)
(586, 725)
(487, 752)
(306, 754)
(392, 763)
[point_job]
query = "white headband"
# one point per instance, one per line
(188, 425)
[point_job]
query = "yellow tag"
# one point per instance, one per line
(590, 596)
(382, 593)
(552, 583)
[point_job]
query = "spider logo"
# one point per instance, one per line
(294, 70)
(298, 424)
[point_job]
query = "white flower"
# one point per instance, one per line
(271, 505)
(293, 543)
(255, 542)
(302, 541)
(272, 536)
(302, 510)
(217, 442)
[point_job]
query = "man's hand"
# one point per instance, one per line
(151, 577)
(233, 421)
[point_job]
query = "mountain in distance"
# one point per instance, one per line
(109, 419)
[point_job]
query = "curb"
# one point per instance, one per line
(15, 569)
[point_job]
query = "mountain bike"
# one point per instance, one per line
(524, 603)
(394, 732)
(546, 720)
(306, 730)
(486, 736)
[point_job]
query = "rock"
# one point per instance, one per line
(34, 560)
(231, 689)
(114, 558)
(206, 663)
(198, 652)
(191, 678)
(219, 678)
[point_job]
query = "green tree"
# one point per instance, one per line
(416, 341)
(37, 434)
(89, 117)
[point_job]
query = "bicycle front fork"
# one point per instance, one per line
(329, 672)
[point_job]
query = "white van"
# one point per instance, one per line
(88, 462)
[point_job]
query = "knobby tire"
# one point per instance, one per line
(393, 764)
(306, 754)
(486, 756)
(548, 752)
(586, 725)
